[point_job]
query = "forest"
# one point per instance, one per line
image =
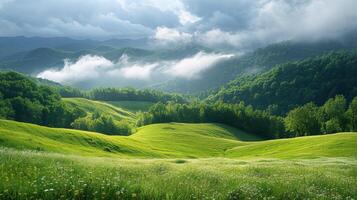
(335, 115)
(25, 100)
(293, 84)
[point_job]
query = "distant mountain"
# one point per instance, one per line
(37, 60)
(12, 45)
(295, 83)
(257, 61)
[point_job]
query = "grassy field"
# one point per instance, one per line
(173, 161)
(117, 113)
(36, 175)
(132, 106)
(174, 140)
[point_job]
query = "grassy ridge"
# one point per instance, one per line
(333, 145)
(132, 106)
(89, 106)
(174, 140)
(165, 140)
(34, 175)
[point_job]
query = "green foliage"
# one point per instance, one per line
(332, 117)
(303, 120)
(236, 115)
(23, 100)
(103, 124)
(131, 94)
(352, 115)
(290, 85)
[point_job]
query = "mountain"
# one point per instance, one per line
(12, 45)
(295, 83)
(258, 61)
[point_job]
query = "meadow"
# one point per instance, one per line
(39, 175)
(173, 161)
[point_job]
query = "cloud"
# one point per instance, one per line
(231, 23)
(99, 71)
(133, 70)
(259, 23)
(85, 68)
(187, 18)
(192, 67)
(166, 35)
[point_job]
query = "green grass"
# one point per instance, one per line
(174, 140)
(89, 106)
(35, 175)
(132, 106)
(173, 161)
(333, 145)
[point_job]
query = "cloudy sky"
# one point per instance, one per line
(235, 23)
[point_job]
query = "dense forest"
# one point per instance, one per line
(120, 94)
(333, 116)
(296, 83)
(23, 100)
(131, 94)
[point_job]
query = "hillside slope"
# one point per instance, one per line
(174, 140)
(90, 106)
(153, 141)
(288, 85)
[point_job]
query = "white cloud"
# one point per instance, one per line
(235, 23)
(192, 67)
(97, 69)
(94, 68)
(187, 18)
(168, 35)
(133, 70)
(87, 67)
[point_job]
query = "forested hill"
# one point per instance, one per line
(260, 60)
(295, 83)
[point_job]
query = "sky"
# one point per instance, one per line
(240, 24)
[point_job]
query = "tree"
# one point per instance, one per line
(333, 115)
(352, 115)
(303, 120)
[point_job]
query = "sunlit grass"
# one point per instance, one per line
(34, 175)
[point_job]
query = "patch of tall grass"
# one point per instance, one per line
(36, 175)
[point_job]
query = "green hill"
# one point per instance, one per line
(174, 140)
(289, 85)
(90, 106)
(132, 106)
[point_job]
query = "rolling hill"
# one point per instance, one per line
(174, 140)
(91, 107)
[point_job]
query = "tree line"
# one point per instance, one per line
(334, 116)
(121, 94)
(239, 115)
(21, 99)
